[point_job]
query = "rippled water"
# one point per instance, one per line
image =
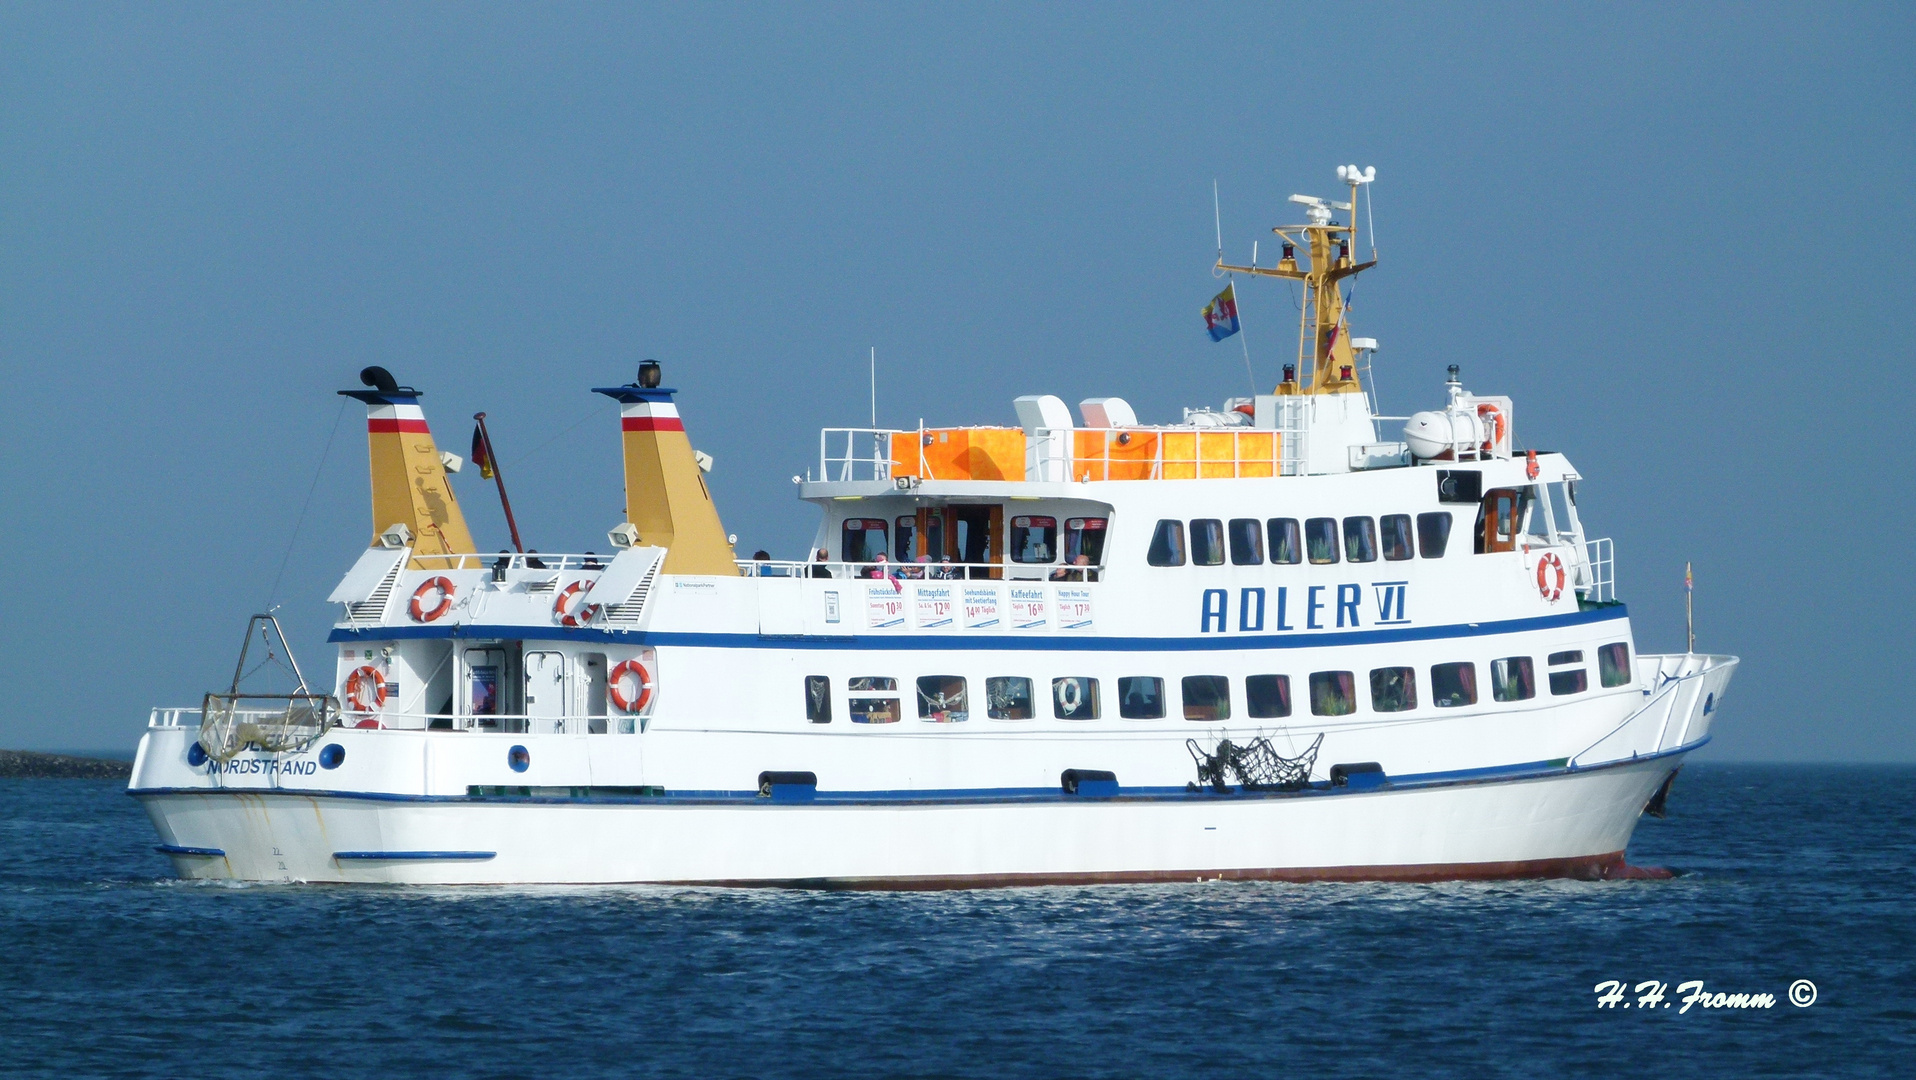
(109, 967)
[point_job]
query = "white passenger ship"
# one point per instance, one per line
(1266, 642)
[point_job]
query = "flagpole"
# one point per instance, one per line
(1689, 605)
(499, 477)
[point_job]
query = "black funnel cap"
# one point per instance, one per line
(379, 379)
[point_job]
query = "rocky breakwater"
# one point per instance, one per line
(29, 765)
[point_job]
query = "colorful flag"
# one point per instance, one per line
(1689, 583)
(479, 455)
(1220, 315)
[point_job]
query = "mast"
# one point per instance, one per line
(1326, 363)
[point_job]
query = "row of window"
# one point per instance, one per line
(1244, 540)
(944, 698)
(1033, 539)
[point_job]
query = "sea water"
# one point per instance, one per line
(109, 967)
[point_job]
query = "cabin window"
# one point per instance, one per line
(1572, 681)
(1207, 542)
(941, 699)
(1433, 534)
(818, 699)
(1360, 539)
(1320, 540)
(1247, 542)
(1573, 656)
(872, 710)
(1333, 693)
(1074, 697)
(934, 540)
(1613, 662)
(1511, 679)
(1286, 546)
(1500, 519)
(1394, 536)
(1167, 545)
(864, 540)
(1008, 697)
(1207, 697)
(1141, 697)
(1267, 696)
(1034, 539)
(1084, 536)
(906, 539)
(1452, 685)
(1393, 689)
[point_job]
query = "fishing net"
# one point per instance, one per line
(1256, 765)
(274, 723)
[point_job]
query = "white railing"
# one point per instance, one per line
(918, 571)
(866, 456)
(516, 561)
(512, 723)
(1597, 577)
(847, 455)
(173, 718)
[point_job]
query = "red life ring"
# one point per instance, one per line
(1551, 590)
(363, 683)
(561, 607)
(1493, 419)
(615, 686)
(419, 610)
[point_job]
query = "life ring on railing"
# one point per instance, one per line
(1493, 419)
(615, 686)
(1551, 590)
(365, 685)
(562, 607)
(419, 611)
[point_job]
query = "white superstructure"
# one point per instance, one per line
(1286, 638)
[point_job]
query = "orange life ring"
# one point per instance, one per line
(615, 686)
(561, 606)
(1493, 419)
(357, 689)
(1551, 590)
(418, 609)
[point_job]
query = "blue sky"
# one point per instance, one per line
(1679, 237)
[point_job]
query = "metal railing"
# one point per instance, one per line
(918, 571)
(511, 723)
(227, 727)
(867, 454)
(516, 561)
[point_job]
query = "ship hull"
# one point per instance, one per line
(1559, 823)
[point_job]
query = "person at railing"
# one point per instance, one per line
(1073, 572)
(819, 567)
(944, 571)
(500, 567)
(591, 562)
(533, 562)
(877, 569)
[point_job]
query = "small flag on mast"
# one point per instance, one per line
(479, 455)
(1220, 315)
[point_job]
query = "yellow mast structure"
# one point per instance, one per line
(1325, 362)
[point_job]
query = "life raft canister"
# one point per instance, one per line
(1551, 588)
(561, 608)
(1493, 419)
(615, 686)
(445, 588)
(366, 691)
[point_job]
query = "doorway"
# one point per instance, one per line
(973, 539)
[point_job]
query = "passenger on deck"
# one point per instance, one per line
(819, 569)
(533, 562)
(592, 562)
(1072, 572)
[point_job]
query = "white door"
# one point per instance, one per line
(545, 689)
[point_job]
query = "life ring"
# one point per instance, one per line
(561, 608)
(419, 611)
(363, 683)
(1070, 696)
(1493, 419)
(615, 686)
(1551, 590)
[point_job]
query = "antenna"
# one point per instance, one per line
(874, 386)
(1217, 219)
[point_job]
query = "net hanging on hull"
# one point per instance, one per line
(1256, 765)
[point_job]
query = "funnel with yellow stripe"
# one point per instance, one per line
(665, 494)
(409, 480)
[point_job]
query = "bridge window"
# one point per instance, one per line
(1572, 681)
(1320, 540)
(1452, 685)
(1207, 542)
(1267, 697)
(818, 699)
(1393, 689)
(1008, 697)
(1167, 545)
(1500, 519)
(1613, 663)
(1247, 542)
(1286, 547)
(872, 710)
(1084, 536)
(864, 540)
(1360, 539)
(1433, 534)
(1034, 539)
(1074, 697)
(1207, 697)
(1141, 697)
(1573, 656)
(1511, 679)
(1333, 693)
(941, 699)
(1394, 535)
